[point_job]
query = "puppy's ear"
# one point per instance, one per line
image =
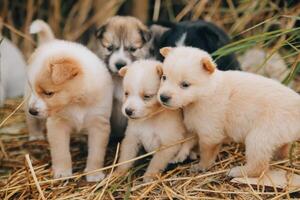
(165, 51)
(144, 32)
(159, 70)
(123, 71)
(99, 32)
(208, 65)
(63, 69)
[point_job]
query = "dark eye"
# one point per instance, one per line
(110, 48)
(184, 84)
(48, 93)
(147, 97)
(132, 49)
(126, 94)
(164, 78)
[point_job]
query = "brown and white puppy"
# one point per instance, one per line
(240, 106)
(72, 89)
(150, 125)
(122, 40)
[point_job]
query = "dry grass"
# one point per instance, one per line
(31, 178)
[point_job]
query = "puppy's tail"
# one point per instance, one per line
(43, 30)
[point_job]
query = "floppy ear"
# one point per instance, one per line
(123, 71)
(99, 32)
(165, 51)
(208, 65)
(63, 70)
(159, 70)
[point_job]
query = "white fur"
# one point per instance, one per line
(116, 57)
(181, 40)
(12, 71)
(234, 105)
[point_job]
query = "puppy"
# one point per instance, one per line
(72, 89)
(122, 40)
(240, 106)
(150, 125)
(12, 71)
(200, 34)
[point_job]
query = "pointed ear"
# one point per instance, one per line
(63, 69)
(208, 65)
(123, 71)
(165, 51)
(159, 70)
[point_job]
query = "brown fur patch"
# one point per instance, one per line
(208, 65)
(165, 51)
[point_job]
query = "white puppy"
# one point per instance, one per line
(149, 124)
(12, 71)
(72, 88)
(240, 106)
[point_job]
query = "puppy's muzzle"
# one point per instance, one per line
(164, 98)
(129, 112)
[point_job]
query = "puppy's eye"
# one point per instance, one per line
(110, 48)
(184, 84)
(48, 93)
(164, 77)
(132, 49)
(147, 97)
(126, 94)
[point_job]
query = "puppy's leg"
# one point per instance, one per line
(98, 136)
(59, 141)
(36, 127)
(160, 161)
(129, 149)
(258, 155)
(282, 152)
(2, 94)
(208, 154)
(185, 151)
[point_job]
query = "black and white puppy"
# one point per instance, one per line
(122, 40)
(199, 34)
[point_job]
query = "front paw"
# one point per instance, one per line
(36, 137)
(148, 178)
(95, 177)
(62, 172)
(236, 172)
(200, 167)
(180, 157)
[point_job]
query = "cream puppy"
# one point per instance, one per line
(240, 106)
(150, 125)
(72, 89)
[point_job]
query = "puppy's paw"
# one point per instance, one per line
(193, 155)
(148, 178)
(36, 137)
(200, 167)
(60, 172)
(236, 172)
(180, 157)
(95, 177)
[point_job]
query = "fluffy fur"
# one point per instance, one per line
(239, 106)
(150, 125)
(72, 89)
(12, 71)
(122, 40)
(200, 34)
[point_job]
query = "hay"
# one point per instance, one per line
(31, 178)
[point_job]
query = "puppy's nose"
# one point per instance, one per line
(33, 111)
(120, 64)
(164, 98)
(129, 111)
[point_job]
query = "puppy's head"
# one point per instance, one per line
(55, 82)
(141, 83)
(122, 40)
(187, 73)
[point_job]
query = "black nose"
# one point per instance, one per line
(128, 111)
(164, 98)
(120, 64)
(33, 111)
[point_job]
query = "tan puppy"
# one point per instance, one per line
(72, 89)
(149, 124)
(121, 41)
(234, 105)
